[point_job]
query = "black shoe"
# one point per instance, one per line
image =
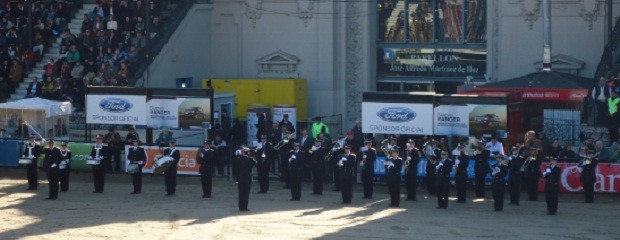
(169, 194)
(551, 213)
(261, 192)
(63, 190)
(97, 191)
(393, 205)
(50, 198)
(294, 199)
(498, 210)
(244, 210)
(206, 196)
(411, 199)
(134, 192)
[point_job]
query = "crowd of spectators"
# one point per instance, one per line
(20, 47)
(110, 42)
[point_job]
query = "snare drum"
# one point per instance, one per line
(93, 161)
(25, 161)
(133, 168)
(162, 163)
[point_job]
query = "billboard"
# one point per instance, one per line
(469, 119)
(397, 118)
(116, 109)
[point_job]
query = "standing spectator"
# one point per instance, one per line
(115, 144)
(225, 122)
(15, 75)
(4, 89)
(318, 126)
(358, 136)
(614, 116)
(601, 152)
(567, 153)
(600, 94)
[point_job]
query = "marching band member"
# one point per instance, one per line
(532, 173)
(481, 168)
(206, 156)
(64, 166)
(295, 165)
(461, 163)
(393, 166)
(588, 176)
(265, 154)
(412, 155)
(443, 169)
(346, 163)
(220, 149)
(495, 148)
(136, 155)
(498, 186)
(432, 153)
(368, 167)
(51, 164)
(32, 150)
(284, 150)
(170, 175)
(552, 187)
(246, 163)
(99, 151)
(516, 172)
(317, 157)
(337, 150)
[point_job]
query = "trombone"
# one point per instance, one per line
(282, 142)
(331, 151)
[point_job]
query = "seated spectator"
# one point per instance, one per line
(78, 70)
(48, 89)
(616, 155)
(73, 55)
(112, 24)
(34, 88)
(15, 74)
(602, 153)
(164, 137)
(567, 153)
(66, 92)
(50, 68)
(98, 24)
(4, 89)
(58, 130)
(87, 24)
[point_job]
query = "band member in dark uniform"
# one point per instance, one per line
(461, 163)
(115, 146)
(246, 163)
(32, 150)
(51, 164)
(170, 175)
(481, 168)
(346, 163)
(393, 166)
(317, 157)
(588, 176)
(552, 187)
(206, 158)
(443, 168)
(515, 177)
(337, 150)
(101, 152)
(368, 168)
(284, 147)
(296, 160)
(532, 174)
(432, 154)
(65, 167)
(412, 155)
(220, 147)
(136, 155)
(265, 155)
(498, 186)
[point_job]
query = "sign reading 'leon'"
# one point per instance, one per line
(396, 114)
(115, 105)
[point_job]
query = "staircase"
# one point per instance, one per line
(398, 9)
(52, 52)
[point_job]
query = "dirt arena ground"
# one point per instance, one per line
(115, 214)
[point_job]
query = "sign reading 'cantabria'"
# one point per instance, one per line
(397, 118)
(116, 109)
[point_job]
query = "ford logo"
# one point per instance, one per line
(396, 114)
(115, 105)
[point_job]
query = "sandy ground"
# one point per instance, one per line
(115, 214)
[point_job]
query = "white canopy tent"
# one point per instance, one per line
(41, 114)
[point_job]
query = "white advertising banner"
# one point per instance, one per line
(452, 119)
(116, 109)
(397, 118)
(163, 113)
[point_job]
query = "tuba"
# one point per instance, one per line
(384, 146)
